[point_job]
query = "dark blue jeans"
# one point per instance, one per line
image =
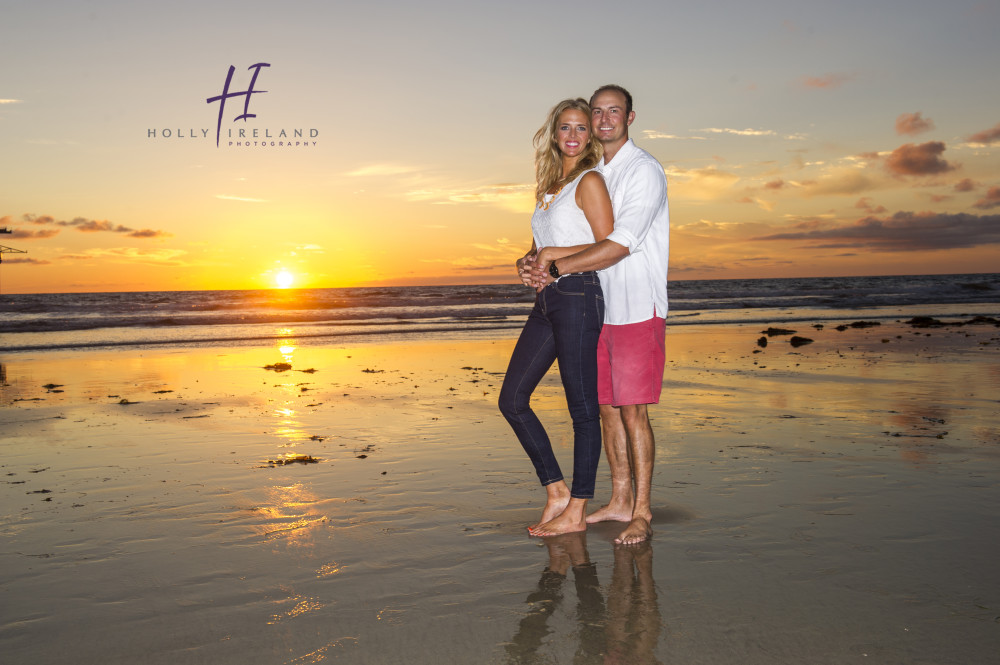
(564, 325)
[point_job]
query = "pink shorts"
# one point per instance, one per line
(630, 362)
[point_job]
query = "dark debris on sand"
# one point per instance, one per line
(773, 332)
(292, 459)
(857, 324)
(931, 322)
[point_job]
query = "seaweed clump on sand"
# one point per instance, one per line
(279, 367)
(292, 459)
(857, 325)
(931, 322)
(773, 332)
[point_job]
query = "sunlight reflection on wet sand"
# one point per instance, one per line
(807, 503)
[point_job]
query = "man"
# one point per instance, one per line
(630, 353)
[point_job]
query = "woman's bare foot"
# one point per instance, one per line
(637, 531)
(557, 498)
(570, 520)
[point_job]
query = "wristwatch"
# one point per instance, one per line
(553, 270)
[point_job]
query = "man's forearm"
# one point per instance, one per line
(598, 256)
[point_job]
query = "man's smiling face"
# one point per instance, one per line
(609, 119)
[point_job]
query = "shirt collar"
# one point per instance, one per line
(620, 157)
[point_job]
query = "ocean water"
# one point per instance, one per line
(48, 321)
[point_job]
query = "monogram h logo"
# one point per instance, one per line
(246, 93)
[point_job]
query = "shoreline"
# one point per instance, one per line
(222, 335)
(819, 503)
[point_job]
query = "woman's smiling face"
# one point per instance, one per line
(572, 132)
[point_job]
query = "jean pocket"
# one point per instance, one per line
(571, 285)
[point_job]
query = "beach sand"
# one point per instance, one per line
(835, 502)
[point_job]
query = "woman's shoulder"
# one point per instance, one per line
(592, 179)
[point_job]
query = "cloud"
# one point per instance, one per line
(966, 185)
(490, 248)
(726, 231)
(488, 257)
(828, 82)
(94, 226)
(775, 184)
(703, 184)
(865, 203)
(11, 101)
(511, 196)
(739, 132)
(903, 232)
(920, 160)
(381, 170)
(28, 260)
(244, 199)
(492, 193)
(497, 266)
(986, 136)
(85, 225)
(132, 254)
(912, 124)
(652, 134)
(840, 182)
(24, 234)
(990, 201)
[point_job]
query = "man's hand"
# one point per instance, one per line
(538, 270)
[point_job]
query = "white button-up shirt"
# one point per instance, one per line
(635, 288)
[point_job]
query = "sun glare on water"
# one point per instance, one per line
(284, 279)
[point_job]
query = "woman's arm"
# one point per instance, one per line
(593, 198)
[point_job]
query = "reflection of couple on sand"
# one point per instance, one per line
(624, 631)
(601, 205)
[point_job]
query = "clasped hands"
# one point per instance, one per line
(533, 270)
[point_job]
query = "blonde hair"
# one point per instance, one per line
(548, 160)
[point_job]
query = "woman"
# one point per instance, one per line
(573, 210)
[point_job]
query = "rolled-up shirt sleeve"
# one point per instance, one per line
(636, 209)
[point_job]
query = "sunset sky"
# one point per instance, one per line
(798, 138)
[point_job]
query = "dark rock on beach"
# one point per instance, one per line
(925, 322)
(931, 322)
(858, 324)
(772, 332)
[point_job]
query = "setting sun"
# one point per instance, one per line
(284, 279)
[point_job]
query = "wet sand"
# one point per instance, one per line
(835, 502)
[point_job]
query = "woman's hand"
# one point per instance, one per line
(524, 266)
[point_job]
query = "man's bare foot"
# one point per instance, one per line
(611, 513)
(637, 531)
